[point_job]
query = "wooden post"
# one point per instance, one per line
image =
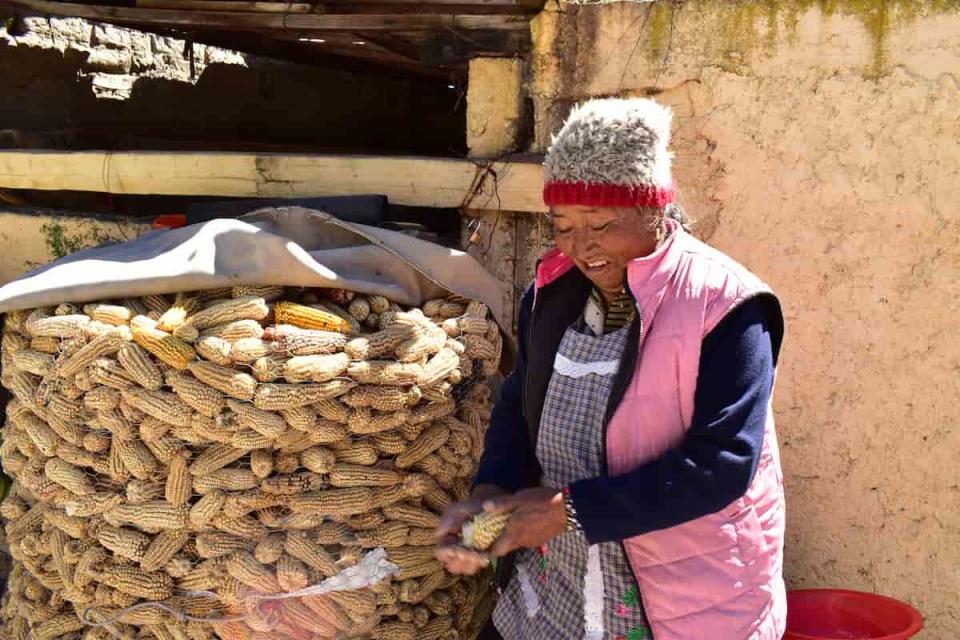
(503, 240)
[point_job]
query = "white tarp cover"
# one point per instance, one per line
(288, 246)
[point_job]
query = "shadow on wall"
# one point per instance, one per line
(265, 105)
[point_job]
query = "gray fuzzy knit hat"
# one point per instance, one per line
(611, 152)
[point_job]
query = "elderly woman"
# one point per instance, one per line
(633, 446)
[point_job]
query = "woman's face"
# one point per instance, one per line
(601, 241)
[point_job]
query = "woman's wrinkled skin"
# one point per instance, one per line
(601, 242)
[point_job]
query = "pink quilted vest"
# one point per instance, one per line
(719, 577)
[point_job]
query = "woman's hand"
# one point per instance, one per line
(536, 517)
(456, 558)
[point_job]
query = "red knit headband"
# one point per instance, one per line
(594, 194)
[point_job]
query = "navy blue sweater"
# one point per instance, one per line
(709, 470)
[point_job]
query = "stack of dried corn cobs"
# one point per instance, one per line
(193, 450)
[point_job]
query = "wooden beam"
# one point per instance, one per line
(274, 21)
(413, 181)
(227, 5)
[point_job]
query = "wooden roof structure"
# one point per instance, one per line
(436, 37)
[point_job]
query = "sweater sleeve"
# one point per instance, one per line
(508, 460)
(719, 456)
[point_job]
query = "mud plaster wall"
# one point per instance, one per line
(820, 149)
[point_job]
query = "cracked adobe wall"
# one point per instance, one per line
(821, 150)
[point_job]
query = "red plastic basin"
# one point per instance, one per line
(837, 614)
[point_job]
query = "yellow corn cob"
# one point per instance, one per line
(248, 350)
(105, 344)
(380, 422)
(301, 618)
(382, 398)
(358, 452)
(236, 330)
(164, 546)
(437, 499)
(294, 341)
(315, 368)
(421, 537)
(108, 313)
(141, 491)
(249, 439)
(157, 304)
(378, 304)
(415, 516)
(347, 475)
(202, 397)
(109, 373)
(124, 542)
(150, 516)
(102, 399)
(483, 530)
(179, 484)
(131, 580)
(299, 545)
(385, 372)
(331, 410)
(414, 562)
(162, 405)
(169, 349)
(68, 476)
(35, 362)
(268, 368)
(225, 480)
(359, 604)
(216, 544)
(293, 484)
(334, 502)
(187, 333)
(291, 573)
(13, 507)
(327, 610)
(441, 365)
(438, 628)
(166, 448)
(211, 430)
(269, 550)
(389, 444)
(448, 456)
(228, 381)
(43, 437)
(286, 462)
(382, 342)
(244, 527)
(250, 417)
(431, 440)
(57, 627)
(206, 509)
(214, 349)
(245, 568)
(174, 317)
(246, 308)
(309, 318)
(94, 505)
(365, 521)
(439, 602)
(432, 411)
(70, 326)
(178, 566)
(261, 463)
(389, 535)
(300, 418)
(318, 460)
(42, 344)
(267, 292)
(372, 322)
(359, 309)
(425, 343)
(136, 458)
(440, 308)
(276, 397)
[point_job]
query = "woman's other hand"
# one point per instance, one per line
(456, 558)
(536, 517)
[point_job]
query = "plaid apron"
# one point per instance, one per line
(568, 589)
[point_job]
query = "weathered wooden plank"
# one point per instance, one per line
(414, 181)
(274, 21)
(227, 5)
